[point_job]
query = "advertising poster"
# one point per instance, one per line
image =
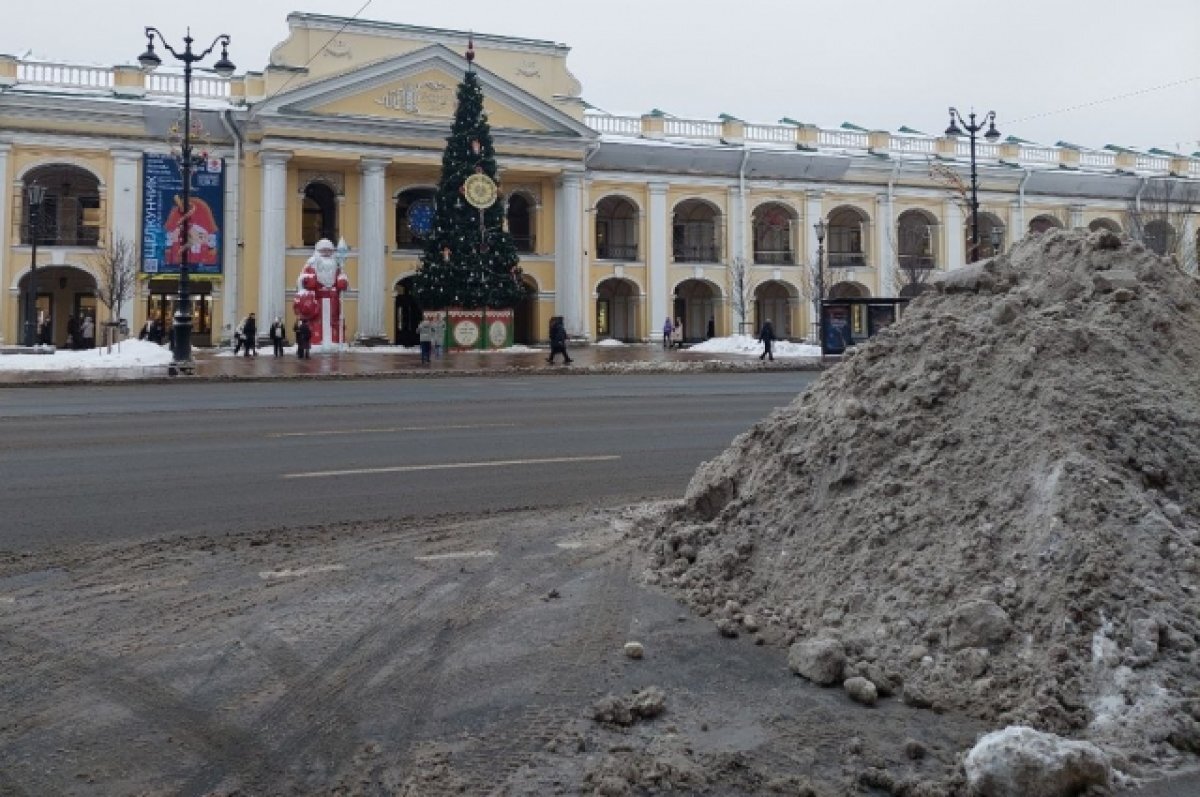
(835, 328)
(499, 328)
(162, 216)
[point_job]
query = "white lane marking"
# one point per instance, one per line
(300, 571)
(386, 429)
(433, 557)
(449, 466)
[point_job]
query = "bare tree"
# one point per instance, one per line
(1160, 218)
(813, 288)
(738, 278)
(117, 278)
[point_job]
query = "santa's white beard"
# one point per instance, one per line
(326, 270)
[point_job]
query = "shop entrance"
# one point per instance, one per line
(163, 298)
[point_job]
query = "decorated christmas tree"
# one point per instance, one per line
(469, 260)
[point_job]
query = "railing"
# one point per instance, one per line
(616, 125)
(962, 148)
(202, 85)
(617, 251)
(908, 144)
(1153, 163)
(772, 134)
(1194, 168)
(843, 139)
(692, 128)
(774, 258)
(50, 235)
(44, 73)
(846, 260)
(695, 254)
(1039, 154)
(1092, 159)
(915, 261)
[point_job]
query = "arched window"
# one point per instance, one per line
(70, 214)
(694, 233)
(520, 222)
(414, 217)
(915, 241)
(991, 236)
(320, 214)
(845, 242)
(1104, 224)
(1043, 223)
(616, 229)
(773, 224)
(1159, 237)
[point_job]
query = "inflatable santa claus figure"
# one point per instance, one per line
(319, 296)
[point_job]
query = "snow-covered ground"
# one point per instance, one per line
(139, 353)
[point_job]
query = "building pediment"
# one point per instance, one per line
(418, 87)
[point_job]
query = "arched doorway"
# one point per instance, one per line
(774, 300)
(407, 314)
(525, 324)
(617, 310)
(696, 302)
(1043, 223)
(1104, 224)
(63, 292)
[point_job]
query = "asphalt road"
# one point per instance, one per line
(146, 461)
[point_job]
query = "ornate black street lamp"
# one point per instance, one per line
(991, 135)
(34, 194)
(182, 329)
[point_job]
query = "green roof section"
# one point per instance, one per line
(909, 131)
(657, 112)
(787, 120)
(1015, 140)
(850, 126)
(726, 117)
(1067, 145)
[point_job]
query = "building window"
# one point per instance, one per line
(320, 214)
(71, 211)
(520, 222)
(616, 229)
(414, 217)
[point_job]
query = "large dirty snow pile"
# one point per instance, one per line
(993, 507)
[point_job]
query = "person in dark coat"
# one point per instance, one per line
(303, 340)
(766, 336)
(277, 336)
(558, 341)
(250, 333)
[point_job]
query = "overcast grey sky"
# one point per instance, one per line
(1091, 72)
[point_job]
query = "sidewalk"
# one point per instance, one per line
(390, 361)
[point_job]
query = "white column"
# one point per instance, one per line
(6, 304)
(812, 214)
(568, 262)
(372, 220)
(231, 257)
(1076, 216)
(272, 248)
(1016, 224)
(124, 199)
(956, 238)
(737, 223)
(660, 299)
(887, 245)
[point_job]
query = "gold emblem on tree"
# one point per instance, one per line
(480, 191)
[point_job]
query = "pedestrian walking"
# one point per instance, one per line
(426, 331)
(278, 338)
(677, 335)
(250, 336)
(668, 328)
(711, 331)
(766, 336)
(303, 340)
(558, 340)
(239, 337)
(46, 332)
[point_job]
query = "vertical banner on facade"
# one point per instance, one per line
(162, 216)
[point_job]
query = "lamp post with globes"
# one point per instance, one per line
(991, 135)
(35, 194)
(181, 350)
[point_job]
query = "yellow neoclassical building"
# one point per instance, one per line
(621, 222)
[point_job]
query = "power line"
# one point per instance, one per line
(1108, 99)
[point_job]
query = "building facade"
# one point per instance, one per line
(621, 222)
